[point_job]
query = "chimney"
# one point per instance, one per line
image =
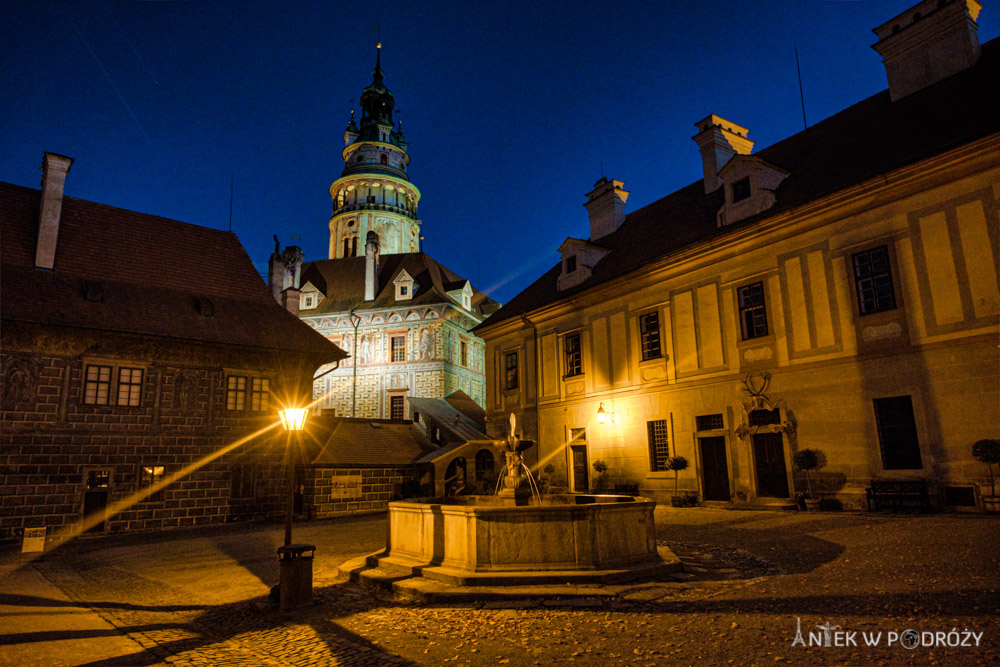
(284, 269)
(371, 266)
(928, 43)
(719, 140)
(290, 300)
(606, 206)
(54, 170)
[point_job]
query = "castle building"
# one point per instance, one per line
(403, 318)
(126, 360)
(836, 292)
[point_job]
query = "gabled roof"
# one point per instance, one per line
(367, 441)
(873, 137)
(448, 419)
(156, 277)
(345, 282)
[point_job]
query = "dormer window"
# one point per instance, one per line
(308, 301)
(461, 292)
(405, 286)
(579, 257)
(467, 301)
(741, 189)
(569, 264)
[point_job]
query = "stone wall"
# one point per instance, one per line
(338, 491)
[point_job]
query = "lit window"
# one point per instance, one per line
(149, 476)
(97, 388)
(259, 394)
(236, 393)
(510, 376)
(753, 314)
(572, 356)
(873, 281)
(129, 386)
(649, 336)
(659, 445)
(397, 407)
(397, 346)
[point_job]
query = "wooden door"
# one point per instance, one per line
(581, 480)
(769, 460)
(714, 468)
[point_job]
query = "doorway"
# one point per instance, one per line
(95, 496)
(769, 460)
(581, 478)
(714, 468)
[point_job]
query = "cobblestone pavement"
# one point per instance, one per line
(748, 577)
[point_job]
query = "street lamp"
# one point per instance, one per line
(295, 584)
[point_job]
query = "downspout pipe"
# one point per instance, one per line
(538, 380)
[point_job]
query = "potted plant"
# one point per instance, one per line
(806, 460)
(678, 463)
(988, 452)
(600, 466)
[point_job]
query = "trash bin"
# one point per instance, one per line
(295, 578)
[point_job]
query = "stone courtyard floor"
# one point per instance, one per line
(195, 598)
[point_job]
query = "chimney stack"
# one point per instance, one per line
(371, 266)
(284, 270)
(606, 206)
(54, 170)
(928, 43)
(719, 140)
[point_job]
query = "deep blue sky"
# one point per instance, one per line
(510, 108)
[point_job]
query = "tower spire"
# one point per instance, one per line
(378, 65)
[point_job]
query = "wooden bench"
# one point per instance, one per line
(626, 490)
(898, 494)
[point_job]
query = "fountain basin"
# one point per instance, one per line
(486, 540)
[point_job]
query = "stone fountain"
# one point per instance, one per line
(512, 539)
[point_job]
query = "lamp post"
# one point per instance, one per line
(295, 584)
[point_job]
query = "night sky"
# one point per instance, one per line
(510, 108)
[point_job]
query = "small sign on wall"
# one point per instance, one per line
(34, 540)
(345, 489)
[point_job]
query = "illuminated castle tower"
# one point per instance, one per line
(373, 192)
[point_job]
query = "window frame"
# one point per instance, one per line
(647, 337)
(905, 459)
(572, 358)
(511, 371)
(653, 440)
(752, 308)
(743, 188)
(242, 481)
(395, 399)
(112, 387)
(236, 395)
(569, 264)
(97, 382)
(260, 394)
(886, 273)
(148, 477)
(393, 348)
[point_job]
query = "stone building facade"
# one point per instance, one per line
(125, 358)
(836, 291)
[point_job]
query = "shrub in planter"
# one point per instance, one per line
(988, 452)
(600, 466)
(677, 463)
(806, 460)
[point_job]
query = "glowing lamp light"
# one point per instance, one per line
(293, 419)
(603, 416)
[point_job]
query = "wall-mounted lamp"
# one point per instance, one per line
(605, 416)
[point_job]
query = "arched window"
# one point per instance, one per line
(454, 477)
(484, 464)
(347, 247)
(354, 246)
(383, 158)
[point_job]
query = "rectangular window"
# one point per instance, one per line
(709, 422)
(873, 281)
(649, 336)
(571, 264)
(753, 313)
(464, 352)
(243, 481)
(397, 407)
(659, 445)
(764, 417)
(741, 189)
(97, 387)
(150, 475)
(236, 393)
(510, 371)
(897, 433)
(260, 394)
(129, 386)
(578, 435)
(572, 357)
(397, 348)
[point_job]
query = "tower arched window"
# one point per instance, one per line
(383, 158)
(354, 246)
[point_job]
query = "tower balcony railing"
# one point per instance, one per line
(389, 208)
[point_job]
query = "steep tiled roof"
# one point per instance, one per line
(152, 272)
(873, 137)
(343, 283)
(377, 442)
(448, 418)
